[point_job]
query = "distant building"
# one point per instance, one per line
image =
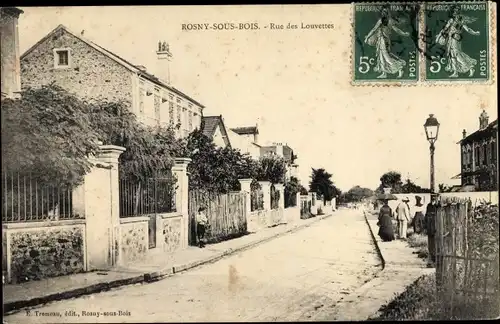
(246, 140)
(91, 71)
(286, 152)
(213, 127)
(479, 157)
(10, 68)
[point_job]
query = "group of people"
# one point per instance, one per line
(422, 224)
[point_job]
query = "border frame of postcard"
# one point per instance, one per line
(421, 78)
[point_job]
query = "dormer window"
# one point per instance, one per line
(62, 57)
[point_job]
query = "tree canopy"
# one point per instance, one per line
(50, 133)
(392, 179)
(322, 184)
(357, 193)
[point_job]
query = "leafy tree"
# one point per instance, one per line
(47, 133)
(303, 190)
(391, 179)
(271, 168)
(215, 169)
(357, 193)
(410, 187)
(443, 187)
(322, 184)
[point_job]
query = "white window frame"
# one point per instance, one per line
(56, 58)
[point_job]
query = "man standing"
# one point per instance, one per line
(430, 227)
(403, 217)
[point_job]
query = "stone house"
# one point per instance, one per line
(479, 156)
(91, 72)
(213, 127)
(246, 140)
(10, 68)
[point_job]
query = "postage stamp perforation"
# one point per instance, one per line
(414, 57)
(355, 39)
(492, 53)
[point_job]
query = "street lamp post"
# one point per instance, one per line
(431, 132)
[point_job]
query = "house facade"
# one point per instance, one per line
(213, 127)
(246, 140)
(479, 156)
(10, 66)
(92, 72)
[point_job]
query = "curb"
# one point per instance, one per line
(374, 238)
(95, 288)
(148, 277)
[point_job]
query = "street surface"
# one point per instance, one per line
(289, 278)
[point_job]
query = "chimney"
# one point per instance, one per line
(164, 58)
(483, 120)
(464, 134)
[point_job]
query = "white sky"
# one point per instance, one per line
(294, 83)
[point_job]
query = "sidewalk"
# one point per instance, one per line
(155, 267)
(402, 268)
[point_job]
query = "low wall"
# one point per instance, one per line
(292, 214)
(134, 239)
(276, 217)
(476, 197)
(394, 203)
(170, 229)
(257, 220)
(37, 250)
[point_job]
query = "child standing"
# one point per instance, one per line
(201, 224)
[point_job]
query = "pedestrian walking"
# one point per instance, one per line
(201, 225)
(430, 227)
(418, 218)
(385, 216)
(403, 217)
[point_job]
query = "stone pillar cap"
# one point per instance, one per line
(112, 148)
(245, 180)
(182, 160)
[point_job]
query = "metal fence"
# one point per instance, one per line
(275, 198)
(151, 196)
(256, 199)
(290, 198)
(27, 199)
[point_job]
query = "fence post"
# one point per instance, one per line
(181, 196)
(100, 192)
(245, 188)
(266, 190)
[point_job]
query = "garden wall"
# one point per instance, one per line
(38, 250)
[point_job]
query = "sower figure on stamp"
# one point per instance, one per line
(430, 226)
(403, 217)
(201, 225)
(380, 37)
(451, 38)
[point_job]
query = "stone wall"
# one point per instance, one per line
(291, 214)
(276, 217)
(41, 250)
(90, 75)
(134, 239)
(257, 220)
(172, 235)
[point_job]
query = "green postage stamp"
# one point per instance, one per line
(457, 41)
(386, 42)
(417, 42)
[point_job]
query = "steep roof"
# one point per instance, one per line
(209, 126)
(492, 127)
(132, 67)
(246, 130)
